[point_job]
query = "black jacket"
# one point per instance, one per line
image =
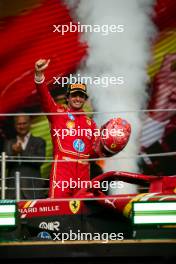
(35, 148)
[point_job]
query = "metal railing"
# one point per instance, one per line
(17, 189)
(4, 158)
(3, 174)
(17, 179)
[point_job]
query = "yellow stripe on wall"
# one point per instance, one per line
(166, 44)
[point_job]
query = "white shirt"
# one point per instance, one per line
(25, 140)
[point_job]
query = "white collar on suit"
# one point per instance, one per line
(25, 141)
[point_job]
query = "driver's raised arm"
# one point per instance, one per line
(47, 102)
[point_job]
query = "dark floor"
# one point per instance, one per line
(108, 260)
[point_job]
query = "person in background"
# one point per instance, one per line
(20, 149)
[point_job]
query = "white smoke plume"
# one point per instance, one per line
(118, 54)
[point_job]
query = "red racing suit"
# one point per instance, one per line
(69, 150)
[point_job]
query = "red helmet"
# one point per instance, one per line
(114, 137)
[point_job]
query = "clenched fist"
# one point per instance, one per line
(40, 66)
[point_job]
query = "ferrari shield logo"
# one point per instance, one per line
(74, 206)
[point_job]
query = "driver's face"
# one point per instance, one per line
(76, 100)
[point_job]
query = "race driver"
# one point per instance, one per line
(69, 150)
